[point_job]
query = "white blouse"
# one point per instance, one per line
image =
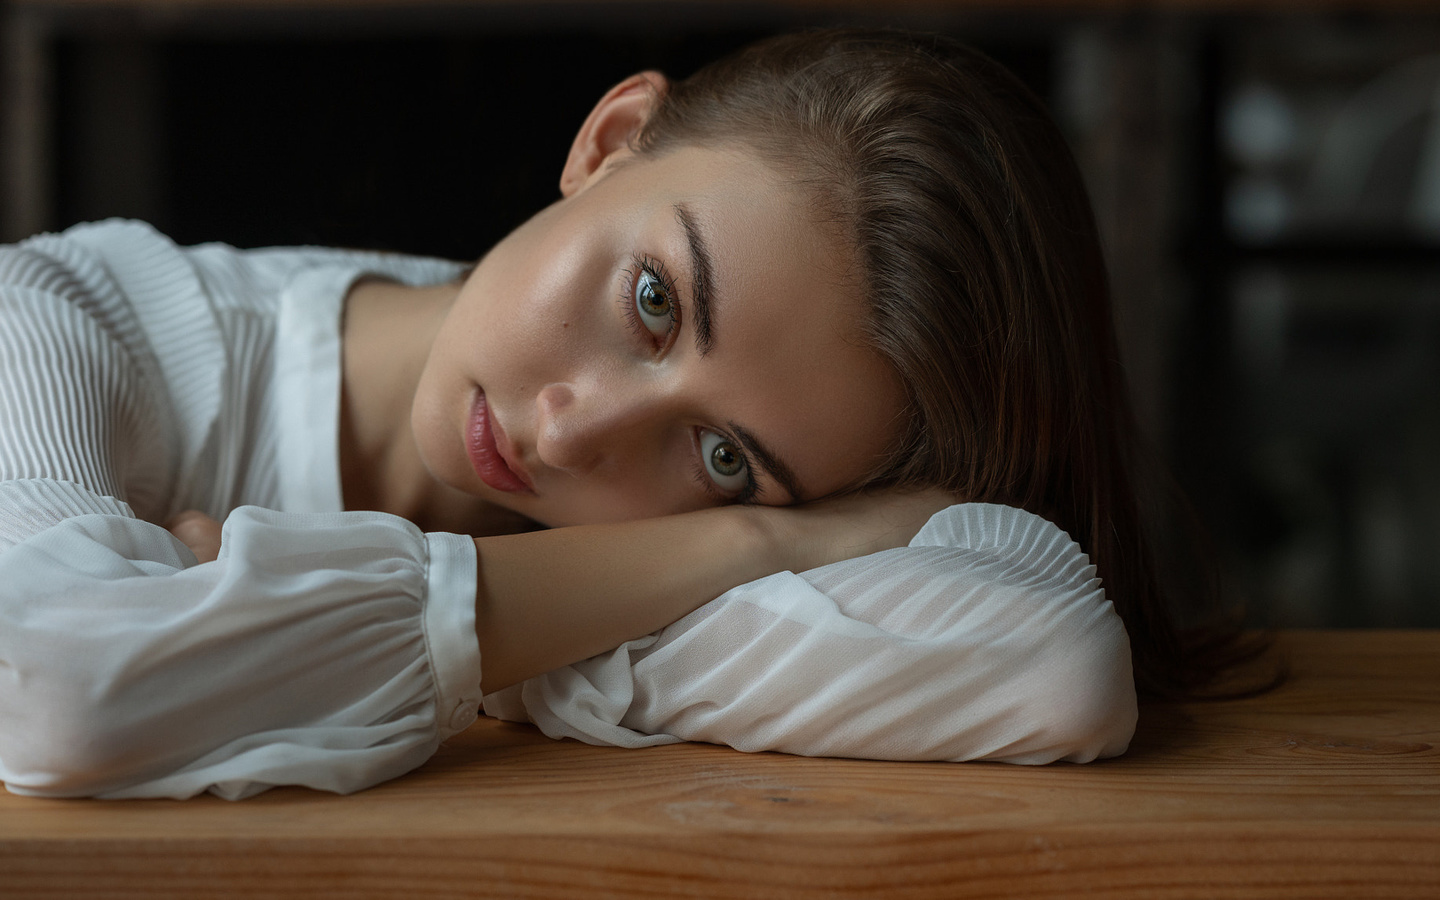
(336, 649)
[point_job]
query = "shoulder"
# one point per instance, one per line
(101, 268)
(55, 263)
(56, 285)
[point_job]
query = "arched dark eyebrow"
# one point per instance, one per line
(702, 290)
(768, 461)
(702, 280)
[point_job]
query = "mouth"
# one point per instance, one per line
(491, 454)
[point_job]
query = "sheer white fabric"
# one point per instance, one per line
(307, 654)
(988, 638)
(337, 650)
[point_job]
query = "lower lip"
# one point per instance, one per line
(485, 456)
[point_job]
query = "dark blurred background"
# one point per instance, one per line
(1267, 179)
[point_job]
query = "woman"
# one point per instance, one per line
(783, 313)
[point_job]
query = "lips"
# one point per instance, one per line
(495, 467)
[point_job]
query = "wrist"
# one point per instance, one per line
(776, 537)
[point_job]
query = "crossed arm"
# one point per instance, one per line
(545, 599)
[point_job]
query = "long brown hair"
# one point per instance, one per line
(985, 279)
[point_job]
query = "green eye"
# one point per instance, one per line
(725, 460)
(651, 296)
(653, 304)
(724, 463)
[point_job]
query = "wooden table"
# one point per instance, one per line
(1327, 787)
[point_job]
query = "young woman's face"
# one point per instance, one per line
(677, 333)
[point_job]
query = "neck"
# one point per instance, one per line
(386, 337)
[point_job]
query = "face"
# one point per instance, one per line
(677, 333)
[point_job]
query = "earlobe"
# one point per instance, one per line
(609, 128)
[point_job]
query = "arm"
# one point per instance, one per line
(549, 598)
(988, 638)
(545, 599)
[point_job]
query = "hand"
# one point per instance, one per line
(826, 531)
(197, 531)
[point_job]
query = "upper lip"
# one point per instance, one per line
(507, 451)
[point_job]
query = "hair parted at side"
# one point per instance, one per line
(979, 258)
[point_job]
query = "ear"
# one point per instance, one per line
(607, 131)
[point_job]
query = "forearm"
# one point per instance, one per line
(545, 599)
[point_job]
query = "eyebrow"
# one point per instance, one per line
(769, 462)
(702, 278)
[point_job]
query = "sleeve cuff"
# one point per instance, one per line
(450, 631)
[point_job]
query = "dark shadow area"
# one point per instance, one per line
(430, 145)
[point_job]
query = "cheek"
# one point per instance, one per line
(554, 316)
(510, 339)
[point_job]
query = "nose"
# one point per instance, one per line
(595, 425)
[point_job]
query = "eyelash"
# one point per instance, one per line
(643, 264)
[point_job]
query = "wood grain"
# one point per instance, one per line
(1327, 787)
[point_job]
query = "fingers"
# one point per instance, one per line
(197, 531)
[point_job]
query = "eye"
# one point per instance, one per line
(654, 303)
(724, 463)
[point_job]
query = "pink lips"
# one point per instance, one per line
(493, 466)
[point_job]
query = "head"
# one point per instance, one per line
(677, 331)
(908, 210)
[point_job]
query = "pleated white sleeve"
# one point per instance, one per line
(331, 650)
(989, 638)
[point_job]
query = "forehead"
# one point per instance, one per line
(789, 362)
